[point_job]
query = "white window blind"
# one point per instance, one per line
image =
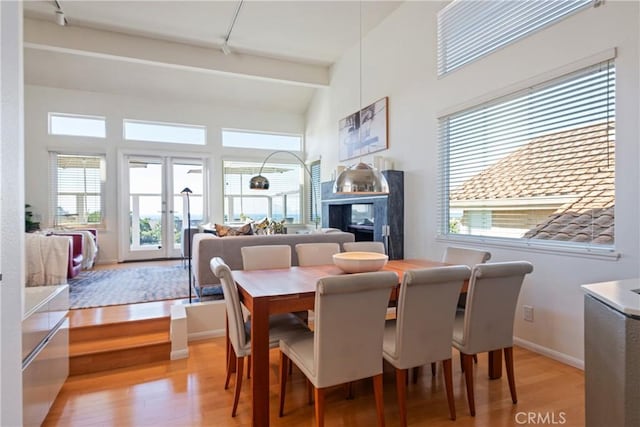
(470, 29)
(77, 195)
(281, 201)
(536, 165)
(314, 194)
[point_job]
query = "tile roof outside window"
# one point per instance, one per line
(578, 163)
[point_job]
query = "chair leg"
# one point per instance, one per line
(461, 362)
(284, 364)
(475, 358)
(377, 390)
(508, 360)
(231, 360)
(448, 382)
(348, 389)
(467, 362)
(433, 369)
(309, 392)
(401, 390)
(416, 374)
(249, 367)
(236, 393)
(319, 395)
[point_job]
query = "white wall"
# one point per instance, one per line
(399, 61)
(11, 213)
(39, 101)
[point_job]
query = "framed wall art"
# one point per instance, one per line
(364, 132)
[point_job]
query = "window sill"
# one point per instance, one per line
(545, 247)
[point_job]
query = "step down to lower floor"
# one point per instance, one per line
(118, 345)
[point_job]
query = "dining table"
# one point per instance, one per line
(273, 291)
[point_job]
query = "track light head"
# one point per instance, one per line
(60, 18)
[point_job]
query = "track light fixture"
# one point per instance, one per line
(60, 18)
(225, 46)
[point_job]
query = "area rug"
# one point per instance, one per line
(98, 288)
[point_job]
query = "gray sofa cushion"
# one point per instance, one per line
(207, 246)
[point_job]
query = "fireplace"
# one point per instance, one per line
(369, 217)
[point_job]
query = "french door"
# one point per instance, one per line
(154, 212)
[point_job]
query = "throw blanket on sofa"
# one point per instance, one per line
(89, 249)
(47, 259)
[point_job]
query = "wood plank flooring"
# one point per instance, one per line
(190, 392)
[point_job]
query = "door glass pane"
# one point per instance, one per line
(186, 175)
(145, 205)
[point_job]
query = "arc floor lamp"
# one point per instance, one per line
(260, 182)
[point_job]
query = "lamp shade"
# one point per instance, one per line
(361, 179)
(259, 182)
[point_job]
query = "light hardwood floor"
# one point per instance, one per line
(189, 392)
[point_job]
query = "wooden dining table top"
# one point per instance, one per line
(301, 280)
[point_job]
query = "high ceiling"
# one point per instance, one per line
(281, 51)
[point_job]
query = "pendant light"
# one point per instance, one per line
(362, 178)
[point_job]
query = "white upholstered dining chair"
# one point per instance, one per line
(465, 256)
(377, 247)
(487, 322)
(239, 330)
(310, 254)
(347, 342)
(422, 330)
(266, 257)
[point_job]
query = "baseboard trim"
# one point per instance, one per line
(204, 335)
(552, 354)
(180, 354)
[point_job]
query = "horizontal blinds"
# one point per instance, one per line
(537, 164)
(470, 29)
(314, 194)
(77, 198)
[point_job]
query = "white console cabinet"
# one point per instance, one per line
(45, 349)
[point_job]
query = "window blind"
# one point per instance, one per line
(314, 194)
(77, 194)
(281, 201)
(470, 29)
(538, 164)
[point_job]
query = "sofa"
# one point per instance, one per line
(207, 246)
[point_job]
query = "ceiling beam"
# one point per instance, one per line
(144, 50)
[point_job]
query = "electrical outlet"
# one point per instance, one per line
(528, 313)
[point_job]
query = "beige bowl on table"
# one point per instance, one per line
(359, 262)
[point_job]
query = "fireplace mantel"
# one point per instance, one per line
(388, 212)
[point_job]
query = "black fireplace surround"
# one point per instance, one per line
(388, 214)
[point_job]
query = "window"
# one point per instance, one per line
(470, 29)
(76, 125)
(78, 189)
(175, 133)
(314, 194)
(536, 165)
(265, 141)
(281, 201)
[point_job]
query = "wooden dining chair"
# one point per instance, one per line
(422, 330)
(347, 342)
(377, 247)
(310, 254)
(487, 322)
(239, 329)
